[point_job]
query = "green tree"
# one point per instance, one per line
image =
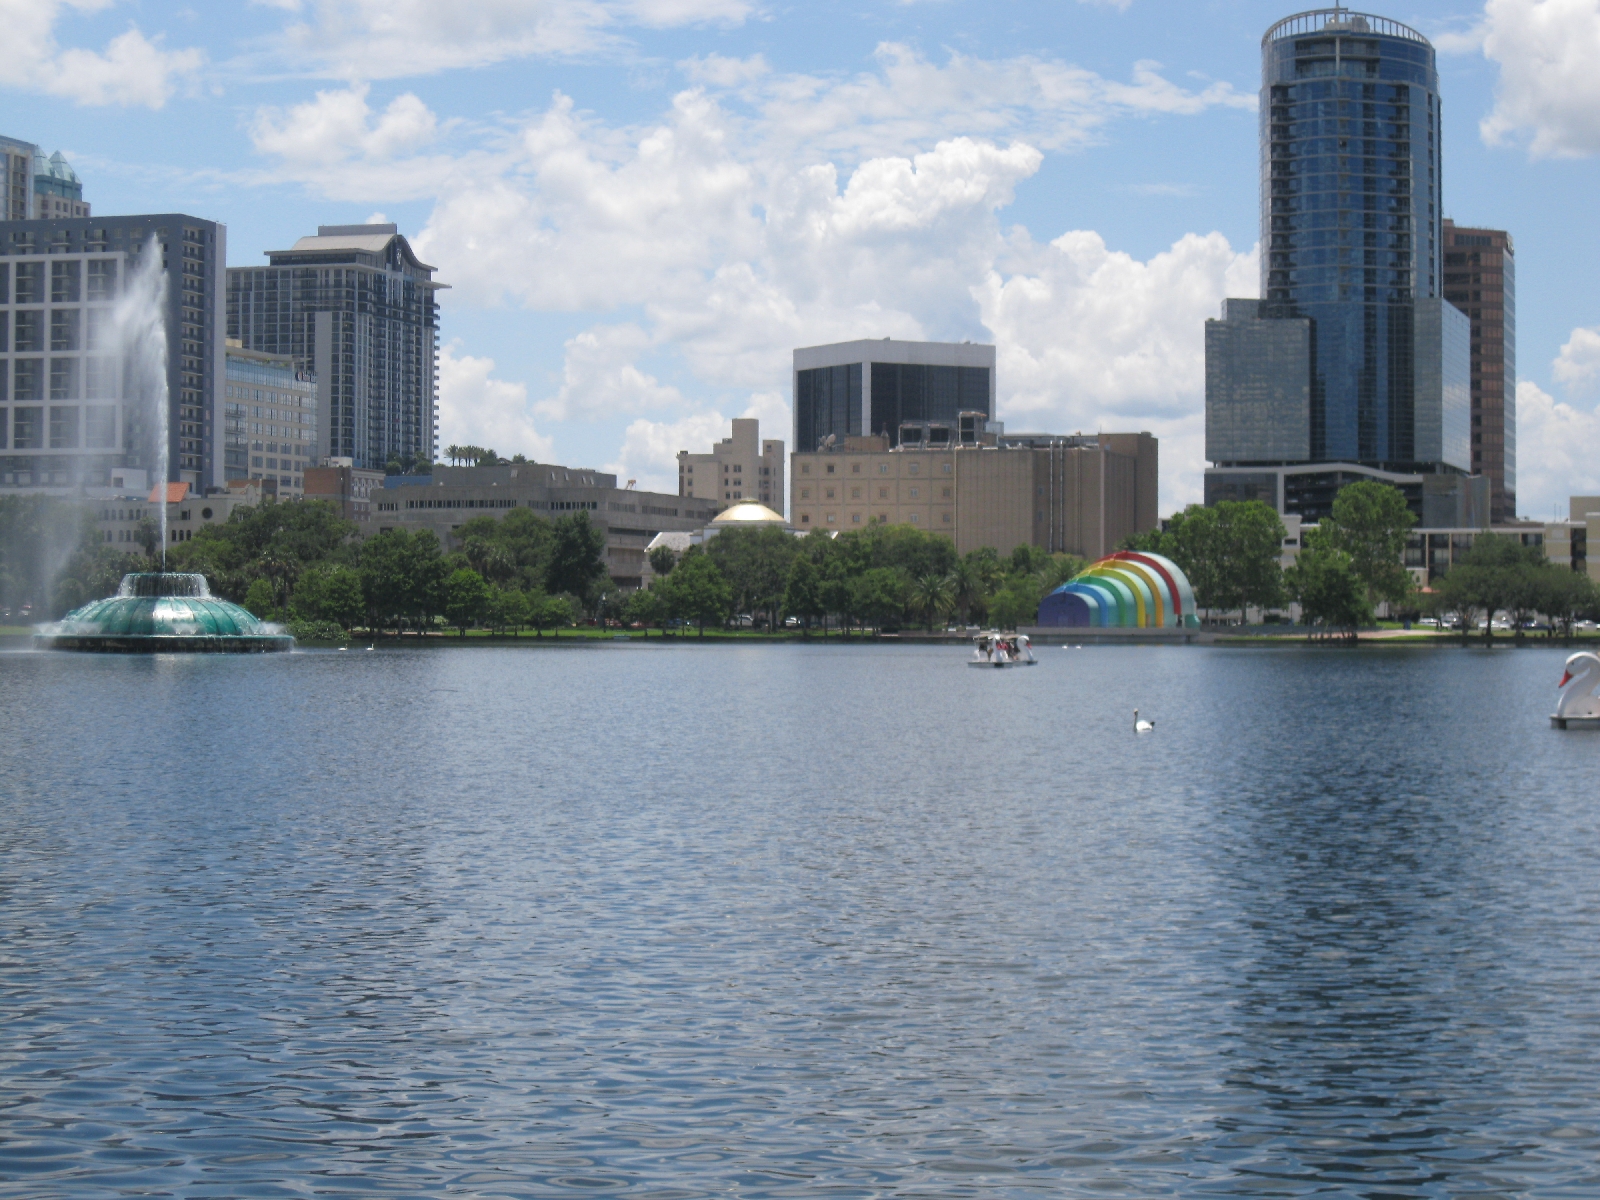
(644, 608)
(1568, 596)
(1499, 574)
(466, 597)
(1230, 553)
(261, 600)
(1370, 522)
(577, 562)
(329, 592)
(548, 612)
(878, 597)
(662, 560)
(1016, 604)
(802, 592)
(509, 609)
(696, 591)
(1331, 592)
(755, 564)
(967, 589)
(933, 596)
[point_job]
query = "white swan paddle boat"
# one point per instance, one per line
(1579, 707)
(1002, 650)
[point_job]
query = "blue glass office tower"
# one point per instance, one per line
(1374, 369)
(1350, 216)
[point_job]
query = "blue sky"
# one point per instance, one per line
(644, 205)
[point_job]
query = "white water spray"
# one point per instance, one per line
(140, 329)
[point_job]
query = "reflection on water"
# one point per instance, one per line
(678, 921)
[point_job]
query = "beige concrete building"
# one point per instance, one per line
(1080, 495)
(121, 514)
(351, 489)
(1568, 542)
(739, 467)
(452, 496)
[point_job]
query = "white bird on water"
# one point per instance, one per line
(1141, 726)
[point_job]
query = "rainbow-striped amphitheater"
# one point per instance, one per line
(1127, 590)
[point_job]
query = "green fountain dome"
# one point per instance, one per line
(164, 612)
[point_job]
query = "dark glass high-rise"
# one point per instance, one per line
(1350, 210)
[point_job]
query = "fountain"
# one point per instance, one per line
(162, 612)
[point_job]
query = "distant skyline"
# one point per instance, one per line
(644, 205)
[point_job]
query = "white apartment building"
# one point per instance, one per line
(739, 467)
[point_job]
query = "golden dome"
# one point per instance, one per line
(748, 512)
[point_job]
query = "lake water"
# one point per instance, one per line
(679, 921)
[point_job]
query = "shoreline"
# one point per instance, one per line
(1253, 637)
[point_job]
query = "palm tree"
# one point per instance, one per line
(966, 587)
(453, 453)
(932, 595)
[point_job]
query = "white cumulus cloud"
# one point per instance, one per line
(132, 70)
(351, 151)
(764, 211)
(1092, 339)
(601, 379)
(1549, 91)
(477, 409)
(390, 39)
(1578, 364)
(649, 450)
(1556, 457)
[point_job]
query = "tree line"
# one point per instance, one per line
(1354, 560)
(883, 578)
(300, 562)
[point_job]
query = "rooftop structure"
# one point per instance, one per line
(875, 386)
(57, 190)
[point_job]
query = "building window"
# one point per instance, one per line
(830, 493)
(100, 426)
(947, 518)
(805, 493)
(805, 468)
(64, 426)
(855, 493)
(856, 517)
(805, 518)
(855, 468)
(830, 468)
(915, 519)
(883, 468)
(27, 432)
(830, 518)
(883, 493)
(947, 468)
(915, 493)
(947, 493)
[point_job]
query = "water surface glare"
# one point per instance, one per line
(679, 921)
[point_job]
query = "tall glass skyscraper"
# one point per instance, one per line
(1351, 355)
(1350, 216)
